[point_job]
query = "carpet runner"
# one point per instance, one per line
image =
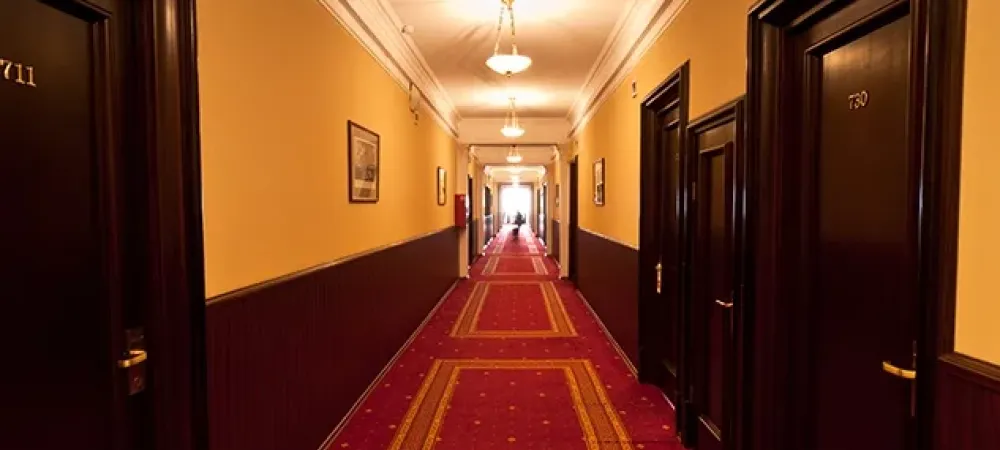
(511, 359)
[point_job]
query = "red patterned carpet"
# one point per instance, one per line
(511, 359)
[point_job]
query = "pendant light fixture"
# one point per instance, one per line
(511, 128)
(507, 63)
(513, 156)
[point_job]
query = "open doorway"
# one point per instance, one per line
(515, 199)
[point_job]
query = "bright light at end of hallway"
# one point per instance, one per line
(526, 11)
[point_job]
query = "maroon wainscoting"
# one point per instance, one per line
(608, 276)
(555, 240)
(968, 404)
(288, 358)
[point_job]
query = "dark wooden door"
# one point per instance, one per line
(662, 247)
(542, 213)
(64, 318)
(470, 229)
(861, 226)
(574, 207)
(667, 216)
(715, 254)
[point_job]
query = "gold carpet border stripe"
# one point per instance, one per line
(601, 426)
(586, 423)
(411, 414)
(537, 263)
(467, 323)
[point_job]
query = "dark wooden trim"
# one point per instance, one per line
(574, 217)
(607, 277)
(268, 388)
(555, 240)
(671, 93)
(976, 371)
(937, 63)
(350, 164)
(738, 388)
(944, 25)
(247, 290)
(967, 404)
(163, 43)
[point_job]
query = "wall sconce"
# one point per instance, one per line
(414, 103)
(635, 91)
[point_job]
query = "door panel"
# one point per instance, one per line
(715, 274)
(543, 212)
(663, 251)
(61, 319)
(864, 234)
(668, 221)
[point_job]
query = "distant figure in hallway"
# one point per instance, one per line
(518, 221)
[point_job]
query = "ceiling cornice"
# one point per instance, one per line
(375, 25)
(642, 25)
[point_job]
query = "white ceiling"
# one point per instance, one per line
(563, 38)
(520, 174)
(437, 50)
(538, 155)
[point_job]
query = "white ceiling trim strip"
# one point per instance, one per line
(375, 25)
(645, 21)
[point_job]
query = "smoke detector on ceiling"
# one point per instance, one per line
(407, 29)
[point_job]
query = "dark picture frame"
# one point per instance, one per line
(442, 186)
(599, 191)
(364, 152)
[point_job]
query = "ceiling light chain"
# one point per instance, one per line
(511, 127)
(496, 46)
(507, 63)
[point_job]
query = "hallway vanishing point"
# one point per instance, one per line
(511, 358)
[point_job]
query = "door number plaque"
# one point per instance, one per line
(857, 100)
(17, 72)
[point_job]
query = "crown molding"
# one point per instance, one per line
(641, 26)
(379, 30)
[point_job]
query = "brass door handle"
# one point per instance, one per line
(899, 372)
(724, 304)
(659, 277)
(135, 358)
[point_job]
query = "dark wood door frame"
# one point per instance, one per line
(471, 221)
(779, 406)
(670, 96)
(574, 217)
(695, 345)
(163, 42)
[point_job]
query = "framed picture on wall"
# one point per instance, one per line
(363, 149)
(599, 182)
(442, 186)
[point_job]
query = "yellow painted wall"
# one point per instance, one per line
(279, 79)
(709, 33)
(978, 309)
